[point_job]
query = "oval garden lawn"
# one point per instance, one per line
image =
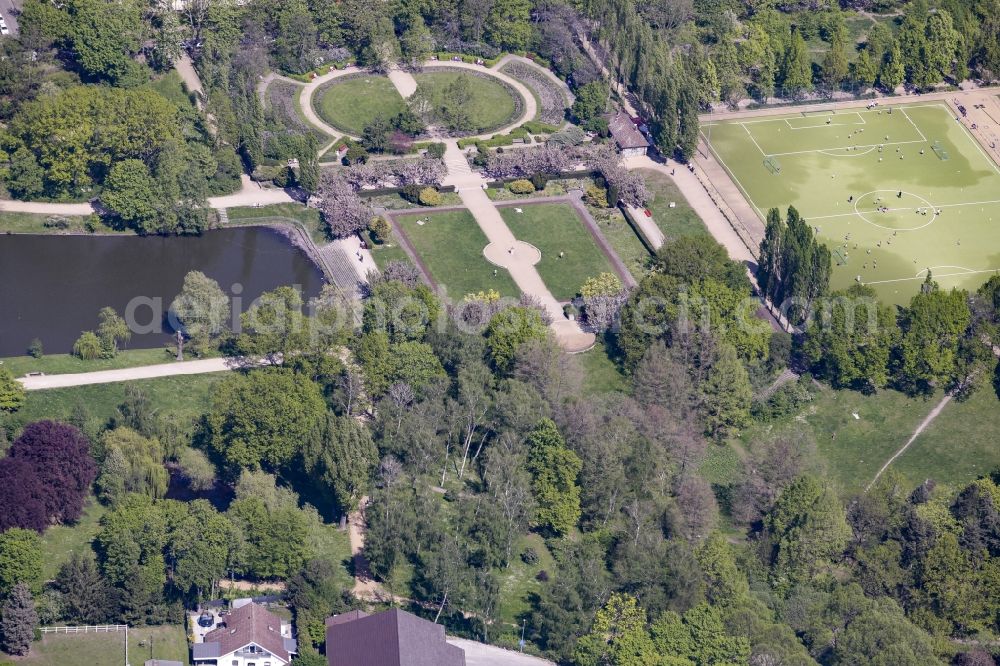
(351, 102)
(491, 104)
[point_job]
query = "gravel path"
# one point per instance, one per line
(702, 203)
(199, 367)
(405, 84)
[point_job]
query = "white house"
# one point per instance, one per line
(250, 635)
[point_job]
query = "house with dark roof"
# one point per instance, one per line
(391, 638)
(629, 140)
(250, 635)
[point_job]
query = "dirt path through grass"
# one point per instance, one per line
(916, 433)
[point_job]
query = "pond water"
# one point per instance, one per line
(52, 287)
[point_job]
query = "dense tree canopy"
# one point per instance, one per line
(262, 419)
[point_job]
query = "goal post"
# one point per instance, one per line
(772, 164)
(939, 150)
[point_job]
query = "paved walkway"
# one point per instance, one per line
(481, 654)
(706, 208)
(506, 251)
(251, 193)
(129, 374)
(405, 84)
(511, 57)
(189, 75)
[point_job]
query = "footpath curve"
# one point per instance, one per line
(199, 367)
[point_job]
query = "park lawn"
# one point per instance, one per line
(959, 445)
(450, 244)
(722, 464)
(519, 582)
(491, 105)
(282, 213)
(171, 87)
(169, 642)
(351, 103)
(892, 195)
(555, 228)
(60, 364)
(60, 541)
(185, 398)
(391, 250)
(623, 240)
(330, 543)
(681, 220)
(601, 374)
(855, 449)
(34, 223)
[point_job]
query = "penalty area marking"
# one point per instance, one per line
(922, 275)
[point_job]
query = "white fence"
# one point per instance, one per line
(91, 629)
(86, 629)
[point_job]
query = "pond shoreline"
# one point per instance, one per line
(291, 231)
(53, 287)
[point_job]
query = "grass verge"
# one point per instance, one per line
(61, 364)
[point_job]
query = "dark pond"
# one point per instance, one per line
(51, 287)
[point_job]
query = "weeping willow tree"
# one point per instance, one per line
(131, 463)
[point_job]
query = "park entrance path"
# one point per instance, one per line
(405, 84)
(697, 196)
(506, 251)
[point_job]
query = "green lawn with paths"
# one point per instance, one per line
(681, 220)
(491, 105)
(34, 223)
(600, 373)
(957, 446)
(450, 244)
(350, 103)
(388, 251)
(555, 228)
(519, 582)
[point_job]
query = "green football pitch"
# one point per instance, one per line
(892, 194)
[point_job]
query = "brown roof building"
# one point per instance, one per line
(250, 636)
(390, 638)
(628, 138)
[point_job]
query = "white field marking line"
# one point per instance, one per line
(736, 181)
(936, 275)
(864, 145)
(907, 116)
(749, 134)
(968, 135)
(968, 271)
(780, 118)
(892, 210)
(826, 152)
(863, 122)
